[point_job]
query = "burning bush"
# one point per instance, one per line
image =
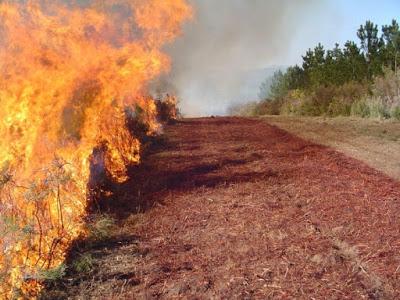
(70, 75)
(167, 109)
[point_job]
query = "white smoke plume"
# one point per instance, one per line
(231, 46)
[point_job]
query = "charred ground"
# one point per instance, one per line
(236, 208)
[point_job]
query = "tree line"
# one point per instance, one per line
(357, 64)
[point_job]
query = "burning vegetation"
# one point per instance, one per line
(73, 77)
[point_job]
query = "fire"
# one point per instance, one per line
(68, 74)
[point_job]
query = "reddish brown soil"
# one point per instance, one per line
(242, 209)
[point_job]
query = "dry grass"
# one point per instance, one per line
(375, 142)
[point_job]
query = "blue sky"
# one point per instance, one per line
(378, 11)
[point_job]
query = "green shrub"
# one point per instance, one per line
(352, 98)
(371, 107)
(396, 113)
(325, 100)
(337, 100)
(289, 108)
(339, 107)
(387, 88)
(292, 102)
(321, 99)
(99, 227)
(53, 274)
(308, 108)
(84, 264)
(360, 109)
(268, 107)
(378, 109)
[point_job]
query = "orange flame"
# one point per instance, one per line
(67, 72)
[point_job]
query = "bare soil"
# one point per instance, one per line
(374, 141)
(234, 208)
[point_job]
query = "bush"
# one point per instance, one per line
(384, 101)
(350, 93)
(370, 107)
(387, 89)
(321, 99)
(339, 107)
(99, 227)
(84, 264)
(396, 113)
(360, 109)
(246, 109)
(324, 100)
(293, 102)
(53, 274)
(378, 109)
(337, 100)
(381, 100)
(268, 107)
(167, 109)
(308, 108)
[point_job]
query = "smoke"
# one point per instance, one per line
(230, 47)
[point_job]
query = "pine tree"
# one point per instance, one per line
(371, 45)
(391, 37)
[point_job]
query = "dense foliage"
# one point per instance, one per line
(358, 78)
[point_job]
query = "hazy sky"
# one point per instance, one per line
(302, 22)
(228, 37)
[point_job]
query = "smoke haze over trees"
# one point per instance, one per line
(229, 49)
